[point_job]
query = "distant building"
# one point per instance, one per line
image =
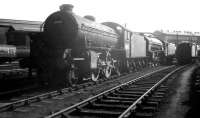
(178, 36)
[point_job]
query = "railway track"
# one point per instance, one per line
(14, 79)
(51, 95)
(6, 93)
(137, 98)
(15, 85)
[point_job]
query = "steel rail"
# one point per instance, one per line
(37, 98)
(103, 93)
(27, 101)
(126, 113)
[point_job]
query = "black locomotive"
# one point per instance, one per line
(186, 52)
(73, 48)
(15, 39)
(183, 53)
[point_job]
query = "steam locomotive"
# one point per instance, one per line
(15, 39)
(15, 65)
(72, 48)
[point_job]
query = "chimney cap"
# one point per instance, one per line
(66, 7)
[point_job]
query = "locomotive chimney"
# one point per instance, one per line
(66, 8)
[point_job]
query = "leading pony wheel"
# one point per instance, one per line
(72, 78)
(95, 75)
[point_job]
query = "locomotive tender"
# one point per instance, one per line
(73, 48)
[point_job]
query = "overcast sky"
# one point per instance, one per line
(138, 15)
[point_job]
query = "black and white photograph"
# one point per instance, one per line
(99, 59)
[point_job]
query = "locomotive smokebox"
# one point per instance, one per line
(67, 8)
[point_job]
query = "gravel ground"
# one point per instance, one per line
(47, 107)
(176, 104)
(194, 102)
